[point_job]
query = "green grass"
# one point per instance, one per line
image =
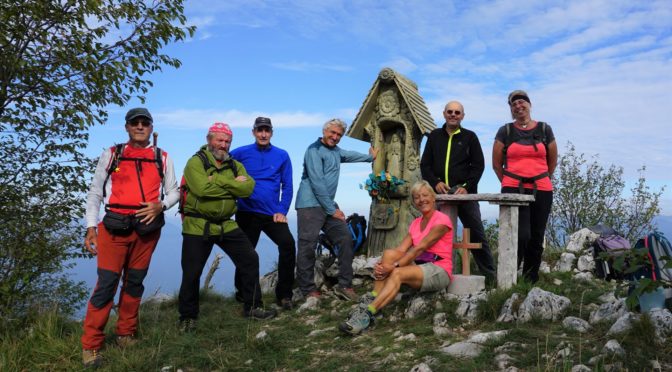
(225, 341)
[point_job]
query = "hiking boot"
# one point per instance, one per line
(91, 358)
(260, 314)
(347, 294)
(126, 341)
(187, 325)
(357, 322)
(286, 304)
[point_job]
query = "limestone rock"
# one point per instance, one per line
(607, 297)
(463, 349)
(159, 298)
(585, 276)
(576, 324)
(503, 360)
(418, 305)
(363, 266)
(609, 311)
(566, 262)
(481, 338)
(422, 367)
(544, 268)
(318, 332)
(623, 324)
(613, 347)
(268, 282)
(312, 303)
(508, 313)
(586, 263)
(542, 304)
(440, 326)
(408, 337)
(261, 336)
(581, 240)
(467, 309)
(662, 320)
(581, 368)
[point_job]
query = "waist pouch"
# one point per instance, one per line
(117, 223)
(143, 228)
(426, 257)
(124, 224)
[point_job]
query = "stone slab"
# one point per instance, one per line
(464, 285)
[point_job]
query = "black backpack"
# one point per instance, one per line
(357, 226)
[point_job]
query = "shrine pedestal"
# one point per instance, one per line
(466, 284)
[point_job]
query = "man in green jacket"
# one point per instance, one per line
(214, 181)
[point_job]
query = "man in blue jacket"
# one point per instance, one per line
(266, 209)
(317, 210)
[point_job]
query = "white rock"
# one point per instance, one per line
(581, 240)
(585, 276)
(566, 262)
(662, 320)
(508, 313)
(268, 282)
(468, 306)
(557, 281)
(613, 347)
(544, 268)
(607, 297)
(408, 337)
(576, 324)
(166, 369)
(503, 360)
(586, 263)
(159, 298)
(312, 303)
(580, 368)
(261, 335)
(442, 331)
(422, 367)
(463, 350)
(440, 320)
(609, 311)
(623, 324)
(417, 306)
(542, 304)
(481, 338)
(317, 332)
(377, 349)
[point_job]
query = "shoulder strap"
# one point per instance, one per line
(159, 161)
(114, 163)
(229, 163)
(204, 159)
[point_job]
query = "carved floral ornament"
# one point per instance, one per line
(388, 103)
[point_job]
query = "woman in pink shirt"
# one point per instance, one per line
(423, 260)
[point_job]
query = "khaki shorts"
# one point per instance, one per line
(434, 278)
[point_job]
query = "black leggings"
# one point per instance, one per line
(532, 221)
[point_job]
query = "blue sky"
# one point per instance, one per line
(599, 72)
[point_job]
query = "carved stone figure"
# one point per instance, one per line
(394, 158)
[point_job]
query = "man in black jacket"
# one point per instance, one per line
(461, 150)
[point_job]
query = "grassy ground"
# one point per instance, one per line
(225, 341)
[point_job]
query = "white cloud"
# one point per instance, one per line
(190, 119)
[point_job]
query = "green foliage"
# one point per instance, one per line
(62, 64)
(587, 194)
(492, 235)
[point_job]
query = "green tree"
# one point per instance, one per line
(587, 194)
(62, 64)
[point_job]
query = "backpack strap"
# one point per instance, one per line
(114, 163)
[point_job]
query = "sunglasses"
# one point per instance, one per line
(456, 112)
(144, 123)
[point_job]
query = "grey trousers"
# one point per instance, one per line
(310, 222)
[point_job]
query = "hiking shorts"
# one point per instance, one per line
(434, 278)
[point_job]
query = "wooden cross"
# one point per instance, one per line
(464, 246)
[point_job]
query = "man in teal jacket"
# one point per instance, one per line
(316, 209)
(213, 182)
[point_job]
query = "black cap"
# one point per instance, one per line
(262, 122)
(138, 112)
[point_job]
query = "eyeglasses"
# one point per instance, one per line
(144, 123)
(456, 112)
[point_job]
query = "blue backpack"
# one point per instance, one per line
(356, 226)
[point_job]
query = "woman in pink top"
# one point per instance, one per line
(429, 243)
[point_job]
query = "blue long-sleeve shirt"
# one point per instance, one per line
(271, 168)
(321, 169)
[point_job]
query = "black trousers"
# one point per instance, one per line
(470, 216)
(195, 253)
(532, 221)
(253, 224)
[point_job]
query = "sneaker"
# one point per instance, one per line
(286, 304)
(357, 322)
(347, 294)
(187, 325)
(260, 314)
(91, 358)
(126, 341)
